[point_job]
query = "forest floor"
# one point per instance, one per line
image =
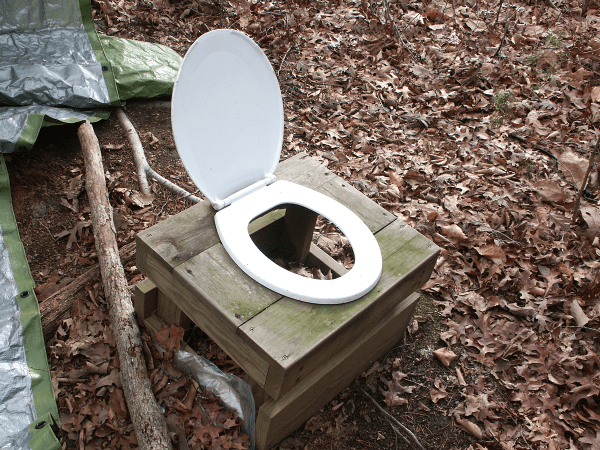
(472, 121)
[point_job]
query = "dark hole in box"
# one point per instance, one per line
(330, 256)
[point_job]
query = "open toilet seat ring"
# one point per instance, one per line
(232, 225)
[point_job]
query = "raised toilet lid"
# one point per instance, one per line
(227, 114)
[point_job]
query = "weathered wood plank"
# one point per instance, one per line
(296, 337)
(373, 215)
(276, 419)
(323, 261)
(212, 324)
(304, 170)
(145, 299)
(178, 238)
(225, 289)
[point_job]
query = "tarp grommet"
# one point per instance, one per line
(40, 425)
(24, 294)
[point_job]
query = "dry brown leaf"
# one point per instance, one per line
(576, 165)
(532, 119)
(170, 337)
(445, 356)
(453, 232)
(436, 395)
(595, 94)
(470, 427)
(580, 317)
(551, 191)
(591, 215)
(492, 251)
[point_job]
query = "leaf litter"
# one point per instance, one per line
(483, 155)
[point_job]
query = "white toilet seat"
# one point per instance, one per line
(232, 226)
(227, 118)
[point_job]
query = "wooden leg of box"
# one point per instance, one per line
(258, 393)
(276, 419)
(170, 313)
(300, 225)
(145, 299)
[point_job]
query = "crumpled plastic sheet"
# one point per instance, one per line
(14, 118)
(234, 392)
(46, 56)
(17, 409)
(141, 69)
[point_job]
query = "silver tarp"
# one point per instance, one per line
(17, 410)
(46, 58)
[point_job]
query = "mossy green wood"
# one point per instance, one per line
(296, 336)
(203, 314)
(225, 288)
(177, 239)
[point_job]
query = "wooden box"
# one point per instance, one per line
(297, 356)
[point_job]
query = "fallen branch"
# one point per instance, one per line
(576, 211)
(58, 306)
(142, 167)
(387, 415)
(147, 418)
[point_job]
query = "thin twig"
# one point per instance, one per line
(454, 13)
(576, 211)
(393, 419)
(583, 328)
(505, 29)
(396, 32)
(498, 13)
(397, 431)
(283, 60)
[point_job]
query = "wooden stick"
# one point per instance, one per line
(58, 306)
(142, 167)
(584, 182)
(147, 418)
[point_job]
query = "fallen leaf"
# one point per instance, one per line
(170, 337)
(551, 191)
(470, 427)
(591, 215)
(454, 232)
(436, 395)
(580, 318)
(493, 252)
(445, 356)
(573, 166)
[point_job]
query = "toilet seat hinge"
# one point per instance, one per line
(222, 203)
